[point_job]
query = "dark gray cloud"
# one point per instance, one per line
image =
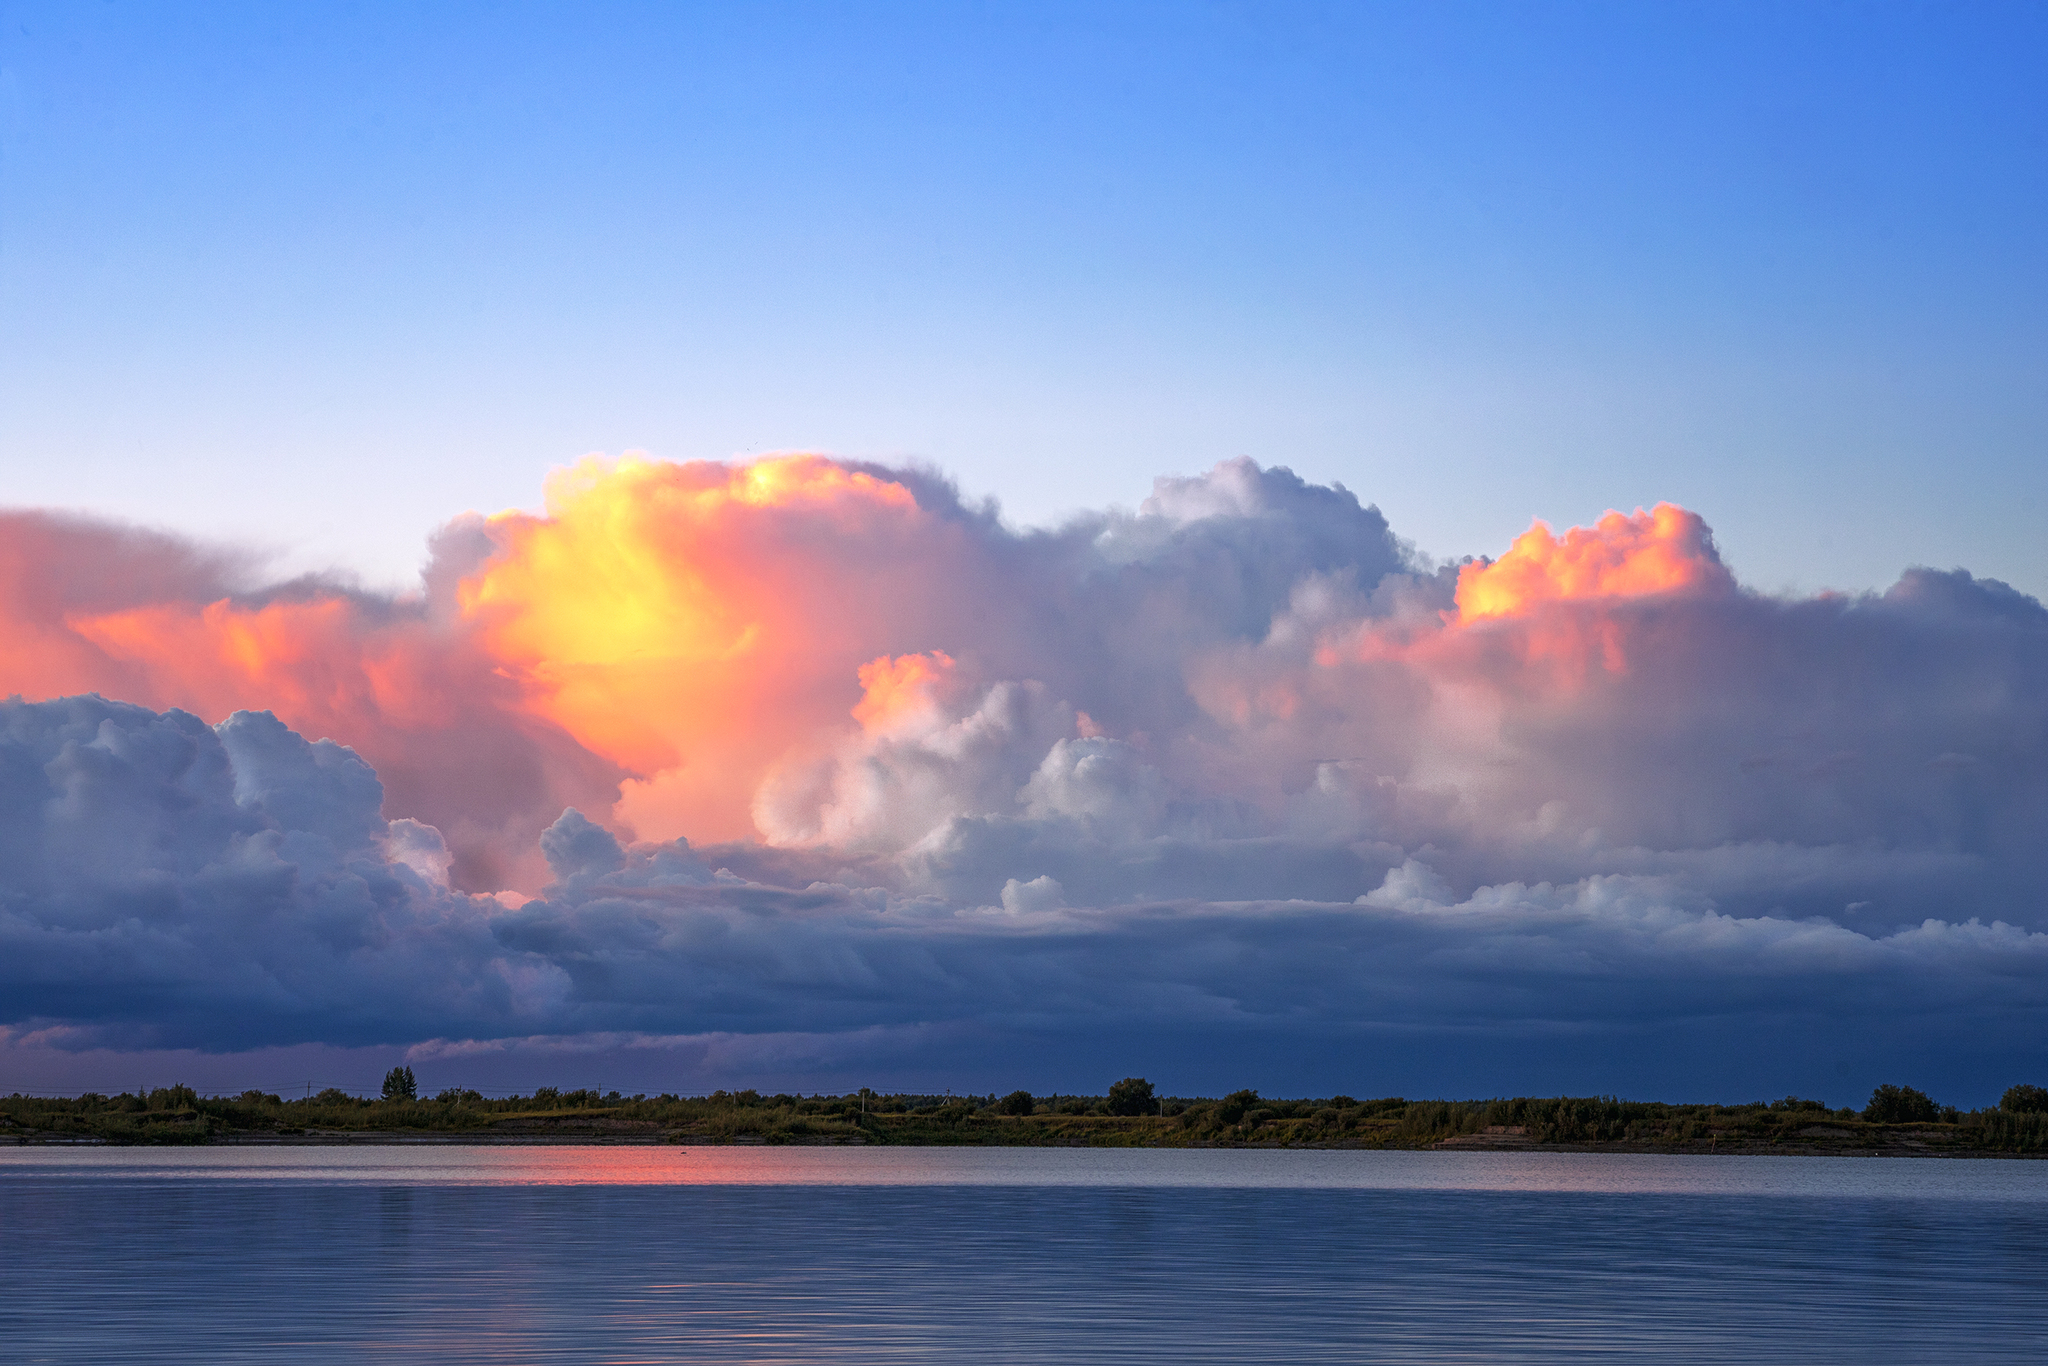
(178, 886)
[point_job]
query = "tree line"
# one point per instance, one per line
(1131, 1110)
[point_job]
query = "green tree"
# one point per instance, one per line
(1231, 1108)
(1016, 1103)
(1900, 1105)
(2025, 1100)
(399, 1085)
(1131, 1096)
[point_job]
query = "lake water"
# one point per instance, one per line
(797, 1255)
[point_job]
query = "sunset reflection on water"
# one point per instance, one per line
(448, 1164)
(816, 1255)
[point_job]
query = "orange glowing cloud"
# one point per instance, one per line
(308, 660)
(1552, 608)
(664, 637)
(897, 690)
(677, 627)
(1664, 550)
(691, 622)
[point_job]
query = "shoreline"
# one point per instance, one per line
(1243, 1119)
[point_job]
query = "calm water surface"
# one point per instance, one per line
(804, 1255)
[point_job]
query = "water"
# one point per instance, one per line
(641, 1255)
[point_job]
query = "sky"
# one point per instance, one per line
(933, 546)
(319, 277)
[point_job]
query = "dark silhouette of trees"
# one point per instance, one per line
(1898, 1120)
(1131, 1096)
(399, 1085)
(2025, 1100)
(1231, 1108)
(1900, 1105)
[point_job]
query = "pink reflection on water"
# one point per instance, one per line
(442, 1164)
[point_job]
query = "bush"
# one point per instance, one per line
(2024, 1100)
(1131, 1096)
(1016, 1103)
(400, 1085)
(1900, 1105)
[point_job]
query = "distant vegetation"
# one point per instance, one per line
(1897, 1119)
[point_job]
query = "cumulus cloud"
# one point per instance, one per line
(87, 607)
(809, 750)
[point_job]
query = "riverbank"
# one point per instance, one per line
(1540, 1125)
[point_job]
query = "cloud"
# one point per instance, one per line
(1658, 553)
(231, 887)
(842, 754)
(86, 607)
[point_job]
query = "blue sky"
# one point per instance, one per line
(321, 276)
